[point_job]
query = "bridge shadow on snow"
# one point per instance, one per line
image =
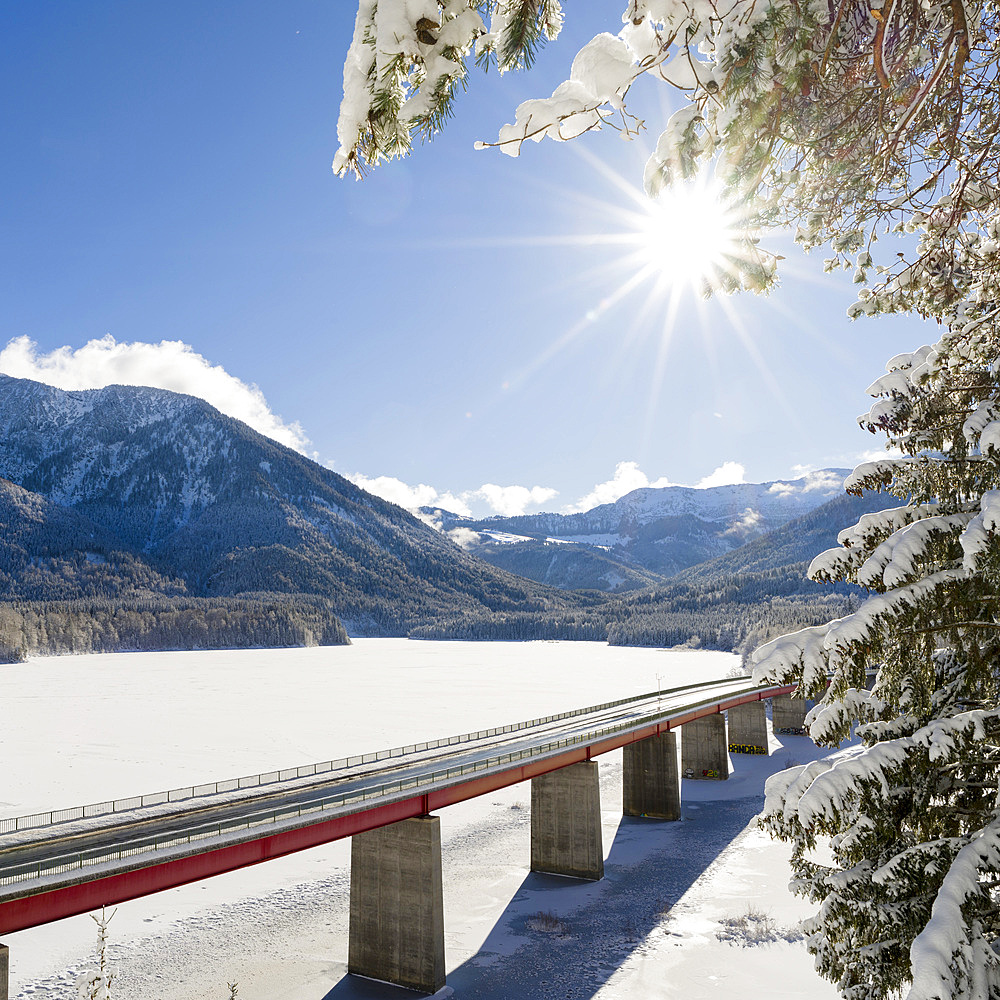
(572, 947)
(563, 939)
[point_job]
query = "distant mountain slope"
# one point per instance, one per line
(791, 547)
(743, 597)
(217, 509)
(732, 602)
(641, 538)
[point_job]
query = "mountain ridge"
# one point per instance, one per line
(134, 497)
(644, 537)
(208, 501)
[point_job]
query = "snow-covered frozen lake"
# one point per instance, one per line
(90, 728)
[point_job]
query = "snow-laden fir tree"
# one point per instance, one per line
(854, 120)
(910, 900)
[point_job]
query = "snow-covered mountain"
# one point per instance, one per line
(145, 477)
(659, 531)
(129, 495)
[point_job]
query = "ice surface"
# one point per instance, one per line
(85, 728)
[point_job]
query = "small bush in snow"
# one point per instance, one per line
(546, 922)
(96, 983)
(754, 927)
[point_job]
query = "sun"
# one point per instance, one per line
(689, 235)
(658, 254)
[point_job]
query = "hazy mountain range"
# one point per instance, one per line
(646, 535)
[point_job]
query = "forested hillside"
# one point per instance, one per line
(744, 597)
(130, 490)
(101, 626)
(139, 518)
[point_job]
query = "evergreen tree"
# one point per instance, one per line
(854, 120)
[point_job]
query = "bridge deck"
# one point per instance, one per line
(63, 868)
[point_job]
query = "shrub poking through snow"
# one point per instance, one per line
(754, 927)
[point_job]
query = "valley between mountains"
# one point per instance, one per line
(138, 518)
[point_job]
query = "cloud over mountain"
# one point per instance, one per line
(410, 497)
(170, 364)
(628, 477)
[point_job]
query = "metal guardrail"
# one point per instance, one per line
(127, 849)
(36, 820)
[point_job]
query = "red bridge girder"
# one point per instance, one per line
(43, 907)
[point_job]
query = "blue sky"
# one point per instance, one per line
(445, 322)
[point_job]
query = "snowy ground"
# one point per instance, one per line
(674, 916)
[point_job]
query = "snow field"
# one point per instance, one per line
(649, 929)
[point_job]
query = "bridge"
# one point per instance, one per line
(72, 861)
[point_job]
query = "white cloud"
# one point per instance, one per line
(511, 501)
(823, 479)
(876, 455)
(818, 479)
(506, 500)
(396, 491)
(628, 477)
(748, 521)
(727, 474)
(814, 480)
(463, 537)
(170, 364)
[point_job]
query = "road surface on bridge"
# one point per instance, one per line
(248, 825)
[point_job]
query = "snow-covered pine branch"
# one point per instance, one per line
(408, 58)
(934, 892)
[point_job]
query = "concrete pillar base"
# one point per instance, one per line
(566, 822)
(748, 728)
(703, 748)
(397, 908)
(4, 972)
(651, 787)
(788, 714)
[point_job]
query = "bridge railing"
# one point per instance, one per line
(36, 820)
(126, 849)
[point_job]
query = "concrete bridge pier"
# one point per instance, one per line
(397, 908)
(748, 728)
(566, 822)
(788, 713)
(4, 972)
(651, 786)
(704, 752)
